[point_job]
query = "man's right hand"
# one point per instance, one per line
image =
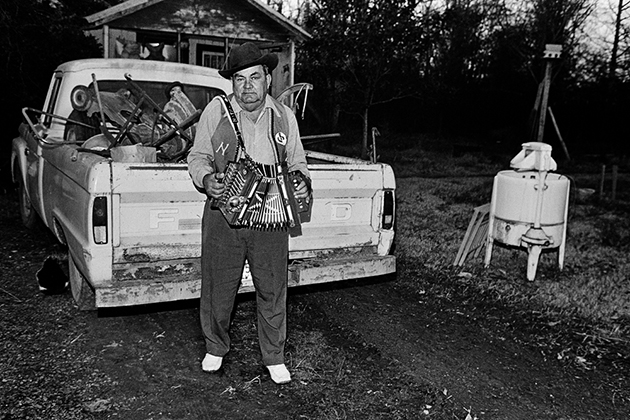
(213, 184)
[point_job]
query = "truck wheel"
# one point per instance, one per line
(79, 133)
(30, 219)
(82, 293)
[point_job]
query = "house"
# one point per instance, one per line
(200, 32)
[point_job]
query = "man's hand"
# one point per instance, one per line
(301, 191)
(213, 184)
(301, 186)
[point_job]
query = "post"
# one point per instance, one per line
(601, 183)
(555, 124)
(544, 101)
(106, 41)
(615, 169)
(375, 133)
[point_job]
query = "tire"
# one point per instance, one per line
(79, 133)
(29, 216)
(82, 292)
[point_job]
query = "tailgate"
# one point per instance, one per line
(347, 208)
(156, 232)
(159, 211)
(156, 213)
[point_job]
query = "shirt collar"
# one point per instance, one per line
(269, 103)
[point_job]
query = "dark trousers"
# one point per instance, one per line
(223, 254)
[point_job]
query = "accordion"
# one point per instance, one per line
(259, 196)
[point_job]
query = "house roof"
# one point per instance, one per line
(228, 18)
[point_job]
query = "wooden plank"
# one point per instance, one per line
(555, 124)
(120, 10)
(476, 234)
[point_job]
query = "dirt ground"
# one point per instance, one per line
(363, 350)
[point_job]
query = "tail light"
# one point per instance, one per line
(388, 210)
(99, 220)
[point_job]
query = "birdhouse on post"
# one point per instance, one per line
(552, 51)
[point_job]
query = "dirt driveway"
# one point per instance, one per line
(371, 351)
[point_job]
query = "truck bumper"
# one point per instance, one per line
(181, 287)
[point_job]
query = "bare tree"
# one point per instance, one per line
(296, 10)
(620, 35)
(365, 51)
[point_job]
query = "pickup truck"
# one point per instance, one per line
(132, 226)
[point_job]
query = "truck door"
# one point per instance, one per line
(34, 160)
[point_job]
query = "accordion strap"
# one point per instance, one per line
(281, 153)
(234, 123)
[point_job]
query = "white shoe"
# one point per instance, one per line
(211, 363)
(279, 374)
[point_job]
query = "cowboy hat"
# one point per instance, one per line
(245, 56)
(170, 86)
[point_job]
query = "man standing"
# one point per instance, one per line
(263, 121)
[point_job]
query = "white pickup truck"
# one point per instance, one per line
(133, 228)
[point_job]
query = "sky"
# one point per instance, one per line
(601, 23)
(599, 28)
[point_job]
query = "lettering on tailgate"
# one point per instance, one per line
(340, 211)
(157, 216)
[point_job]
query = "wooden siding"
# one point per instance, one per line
(216, 18)
(186, 30)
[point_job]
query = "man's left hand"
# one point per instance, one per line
(301, 191)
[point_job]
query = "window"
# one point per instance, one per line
(200, 96)
(53, 99)
(212, 59)
(210, 55)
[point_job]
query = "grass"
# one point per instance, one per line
(583, 309)
(579, 315)
(436, 194)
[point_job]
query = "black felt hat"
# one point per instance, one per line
(167, 90)
(245, 56)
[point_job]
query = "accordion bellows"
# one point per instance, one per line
(259, 196)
